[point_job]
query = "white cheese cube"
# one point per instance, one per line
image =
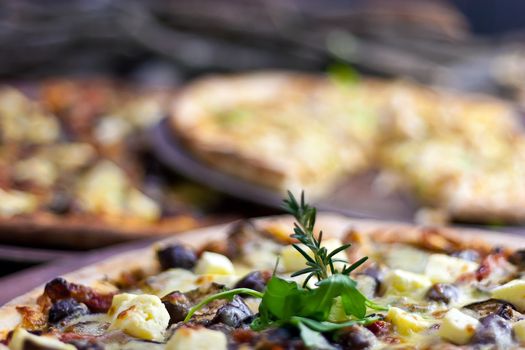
(406, 323)
(16, 202)
(407, 283)
(22, 339)
(140, 205)
(292, 260)
(519, 331)
(214, 264)
(197, 339)
(457, 327)
(446, 269)
(143, 316)
(512, 292)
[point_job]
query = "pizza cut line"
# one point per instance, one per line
(423, 288)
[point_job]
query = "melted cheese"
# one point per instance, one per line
(22, 340)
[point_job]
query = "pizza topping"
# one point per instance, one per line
(442, 292)
(16, 202)
(446, 269)
(176, 256)
(142, 316)
(59, 289)
(86, 344)
(518, 329)
(458, 327)
(23, 340)
(214, 264)
(355, 337)
(233, 313)
(402, 282)
(512, 292)
(494, 307)
(178, 305)
(197, 338)
(493, 330)
(255, 280)
(468, 254)
(405, 322)
(66, 308)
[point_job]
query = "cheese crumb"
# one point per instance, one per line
(512, 292)
(519, 331)
(407, 283)
(22, 339)
(214, 264)
(197, 339)
(446, 269)
(405, 322)
(142, 316)
(458, 327)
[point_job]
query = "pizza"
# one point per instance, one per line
(73, 158)
(221, 288)
(458, 153)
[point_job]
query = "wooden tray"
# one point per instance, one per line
(78, 233)
(355, 197)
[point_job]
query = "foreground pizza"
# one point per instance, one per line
(459, 153)
(426, 289)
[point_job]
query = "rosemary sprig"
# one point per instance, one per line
(321, 262)
(286, 303)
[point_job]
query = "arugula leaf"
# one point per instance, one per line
(284, 300)
(313, 339)
(286, 303)
(326, 326)
(228, 294)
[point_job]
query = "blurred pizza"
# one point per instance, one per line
(73, 156)
(459, 154)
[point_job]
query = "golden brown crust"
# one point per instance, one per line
(331, 224)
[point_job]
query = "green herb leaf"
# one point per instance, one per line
(228, 294)
(313, 339)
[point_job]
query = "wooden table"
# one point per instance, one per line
(53, 264)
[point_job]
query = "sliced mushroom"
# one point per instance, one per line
(495, 307)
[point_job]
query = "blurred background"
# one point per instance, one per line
(106, 71)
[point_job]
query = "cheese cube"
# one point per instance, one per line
(197, 339)
(458, 327)
(512, 292)
(407, 283)
(214, 264)
(446, 269)
(519, 331)
(292, 260)
(143, 316)
(22, 339)
(406, 323)
(140, 205)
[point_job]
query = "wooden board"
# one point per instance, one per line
(107, 266)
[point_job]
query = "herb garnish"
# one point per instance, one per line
(287, 303)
